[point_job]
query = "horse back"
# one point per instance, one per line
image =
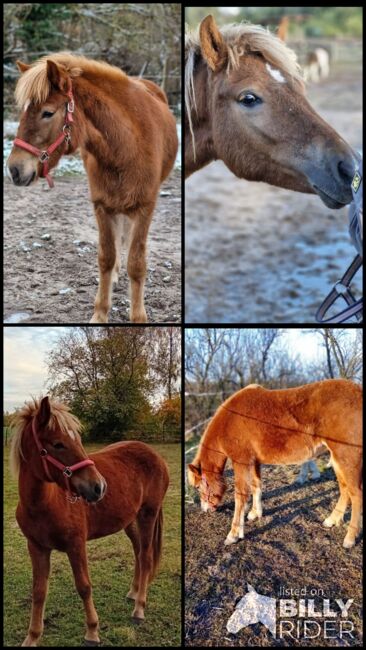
(154, 89)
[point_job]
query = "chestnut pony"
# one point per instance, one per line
(67, 498)
(245, 105)
(128, 142)
(280, 427)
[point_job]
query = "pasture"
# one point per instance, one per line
(51, 266)
(111, 569)
(287, 549)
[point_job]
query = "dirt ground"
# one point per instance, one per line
(287, 549)
(50, 255)
(257, 253)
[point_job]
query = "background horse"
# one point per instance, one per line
(128, 142)
(316, 66)
(277, 427)
(124, 484)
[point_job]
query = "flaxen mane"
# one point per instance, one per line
(240, 39)
(60, 418)
(34, 85)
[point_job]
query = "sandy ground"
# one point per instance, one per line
(287, 549)
(50, 255)
(257, 253)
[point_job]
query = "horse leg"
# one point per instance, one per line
(302, 476)
(337, 514)
(242, 492)
(109, 226)
(79, 564)
(136, 262)
(354, 526)
(41, 569)
(146, 523)
(256, 511)
(133, 534)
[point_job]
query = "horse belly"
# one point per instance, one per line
(292, 450)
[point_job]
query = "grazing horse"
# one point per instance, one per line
(245, 105)
(67, 498)
(280, 427)
(128, 142)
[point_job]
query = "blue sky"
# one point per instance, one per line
(25, 370)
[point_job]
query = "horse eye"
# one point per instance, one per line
(59, 445)
(249, 99)
(47, 114)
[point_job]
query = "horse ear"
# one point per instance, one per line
(22, 67)
(213, 46)
(195, 470)
(56, 77)
(194, 475)
(44, 412)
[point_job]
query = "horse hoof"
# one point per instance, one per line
(129, 597)
(348, 543)
(230, 540)
(252, 516)
(137, 621)
(328, 523)
(89, 642)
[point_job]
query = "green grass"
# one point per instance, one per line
(111, 563)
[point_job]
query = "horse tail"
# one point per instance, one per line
(157, 542)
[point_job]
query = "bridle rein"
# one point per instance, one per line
(65, 469)
(65, 136)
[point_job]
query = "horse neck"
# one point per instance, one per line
(199, 153)
(210, 456)
(33, 491)
(96, 117)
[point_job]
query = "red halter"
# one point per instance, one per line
(67, 471)
(64, 137)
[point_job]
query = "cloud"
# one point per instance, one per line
(25, 370)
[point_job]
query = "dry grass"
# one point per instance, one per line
(287, 549)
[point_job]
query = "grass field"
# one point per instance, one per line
(111, 568)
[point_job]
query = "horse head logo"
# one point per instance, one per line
(253, 608)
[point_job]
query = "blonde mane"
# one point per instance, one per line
(61, 418)
(240, 39)
(34, 85)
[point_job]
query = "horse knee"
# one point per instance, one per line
(136, 265)
(84, 591)
(106, 259)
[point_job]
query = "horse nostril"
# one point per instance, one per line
(97, 489)
(14, 173)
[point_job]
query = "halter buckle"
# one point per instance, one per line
(67, 472)
(71, 106)
(43, 452)
(44, 156)
(67, 132)
(73, 498)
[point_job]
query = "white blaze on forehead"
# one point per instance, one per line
(26, 104)
(276, 74)
(71, 434)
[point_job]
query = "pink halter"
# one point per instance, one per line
(65, 136)
(67, 471)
